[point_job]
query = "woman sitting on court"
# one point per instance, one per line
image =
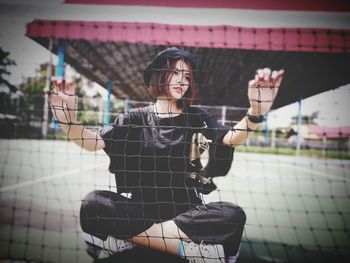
(154, 154)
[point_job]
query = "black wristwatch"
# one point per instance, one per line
(256, 118)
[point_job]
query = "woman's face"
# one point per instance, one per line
(179, 80)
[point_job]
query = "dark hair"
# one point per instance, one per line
(159, 86)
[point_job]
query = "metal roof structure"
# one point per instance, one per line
(314, 59)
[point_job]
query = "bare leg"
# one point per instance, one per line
(164, 237)
(168, 238)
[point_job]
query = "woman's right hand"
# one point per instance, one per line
(62, 100)
(63, 105)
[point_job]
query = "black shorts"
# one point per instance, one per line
(106, 213)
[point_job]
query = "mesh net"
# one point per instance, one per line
(291, 181)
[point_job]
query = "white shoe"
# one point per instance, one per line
(203, 253)
(111, 244)
(232, 259)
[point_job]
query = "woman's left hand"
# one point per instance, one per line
(263, 90)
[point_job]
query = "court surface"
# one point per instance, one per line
(297, 208)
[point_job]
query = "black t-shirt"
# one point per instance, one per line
(150, 155)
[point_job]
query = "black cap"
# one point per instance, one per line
(160, 60)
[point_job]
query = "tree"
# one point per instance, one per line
(6, 87)
(5, 61)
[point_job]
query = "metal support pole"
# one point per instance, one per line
(60, 65)
(47, 87)
(273, 138)
(126, 105)
(108, 103)
(59, 69)
(100, 110)
(324, 145)
(223, 114)
(298, 146)
(266, 130)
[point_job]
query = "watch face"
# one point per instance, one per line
(256, 119)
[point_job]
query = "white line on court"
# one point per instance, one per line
(47, 178)
(328, 176)
(294, 167)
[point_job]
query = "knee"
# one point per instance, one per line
(97, 202)
(234, 214)
(88, 202)
(93, 204)
(87, 208)
(91, 209)
(234, 219)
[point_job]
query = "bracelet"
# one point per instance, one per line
(256, 119)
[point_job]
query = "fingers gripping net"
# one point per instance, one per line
(296, 206)
(259, 98)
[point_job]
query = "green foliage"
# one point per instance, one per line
(328, 154)
(5, 61)
(6, 104)
(33, 98)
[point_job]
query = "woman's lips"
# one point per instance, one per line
(178, 90)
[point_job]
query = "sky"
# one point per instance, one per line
(333, 106)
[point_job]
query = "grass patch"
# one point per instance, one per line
(328, 154)
(57, 137)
